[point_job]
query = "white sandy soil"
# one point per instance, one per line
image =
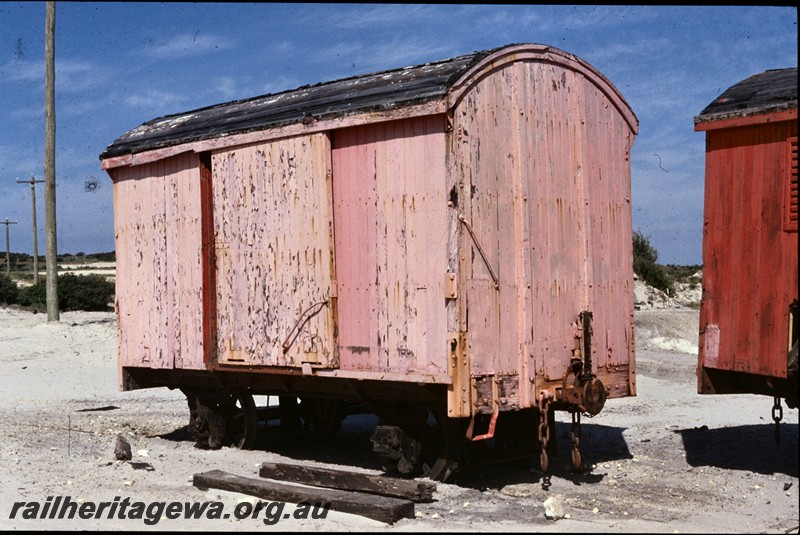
(667, 460)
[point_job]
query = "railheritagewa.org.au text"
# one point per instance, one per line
(65, 508)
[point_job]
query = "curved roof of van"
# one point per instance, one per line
(767, 92)
(380, 91)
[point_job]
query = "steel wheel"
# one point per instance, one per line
(322, 416)
(241, 421)
(442, 444)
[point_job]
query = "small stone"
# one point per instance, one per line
(128, 483)
(418, 514)
(122, 449)
(595, 510)
(435, 515)
(143, 453)
(553, 509)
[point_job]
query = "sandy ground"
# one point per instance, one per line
(668, 460)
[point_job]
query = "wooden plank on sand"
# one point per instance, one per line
(382, 508)
(416, 491)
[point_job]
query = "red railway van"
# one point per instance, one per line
(749, 314)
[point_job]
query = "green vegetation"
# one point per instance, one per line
(645, 265)
(682, 273)
(75, 292)
(662, 277)
(8, 290)
(21, 264)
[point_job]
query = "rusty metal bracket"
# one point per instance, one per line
(495, 403)
(459, 393)
(304, 317)
(480, 250)
(585, 395)
(492, 423)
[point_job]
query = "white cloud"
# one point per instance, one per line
(154, 99)
(71, 75)
(23, 71)
(388, 55)
(389, 16)
(20, 161)
(226, 88)
(277, 85)
(28, 113)
(185, 45)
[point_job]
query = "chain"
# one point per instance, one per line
(575, 434)
(544, 431)
(777, 416)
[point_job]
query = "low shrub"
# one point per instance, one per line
(8, 290)
(645, 265)
(75, 292)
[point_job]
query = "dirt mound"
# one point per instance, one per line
(673, 329)
(687, 294)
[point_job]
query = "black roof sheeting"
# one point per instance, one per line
(770, 91)
(383, 90)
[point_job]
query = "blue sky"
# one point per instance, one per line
(121, 64)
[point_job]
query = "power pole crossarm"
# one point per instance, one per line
(32, 181)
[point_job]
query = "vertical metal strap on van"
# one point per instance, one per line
(304, 317)
(480, 250)
(585, 319)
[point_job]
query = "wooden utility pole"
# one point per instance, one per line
(8, 245)
(33, 183)
(50, 163)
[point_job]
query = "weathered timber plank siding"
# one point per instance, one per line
(750, 259)
(390, 203)
(506, 172)
(159, 277)
(544, 159)
(273, 225)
